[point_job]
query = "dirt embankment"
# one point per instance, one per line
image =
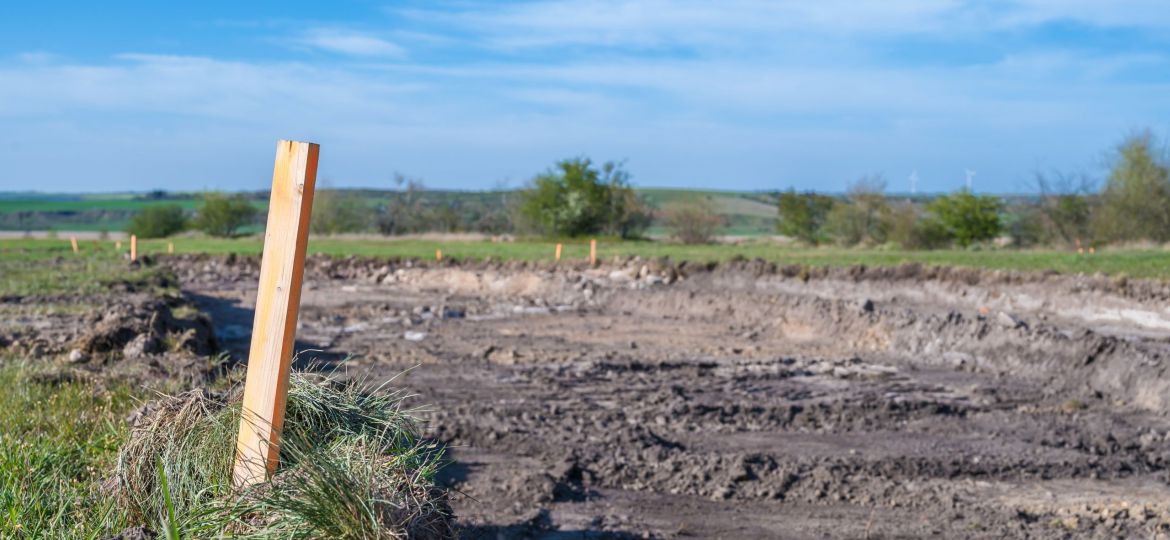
(749, 400)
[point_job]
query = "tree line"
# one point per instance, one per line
(1132, 205)
(577, 197)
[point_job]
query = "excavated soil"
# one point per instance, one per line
(651, 399)
(742, 400)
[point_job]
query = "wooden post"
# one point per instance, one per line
(439, 255)
(592, 252)
(118, 245)
(133, 247)
(73, 242)
(170, 247)
(558, 255)
(277, 304)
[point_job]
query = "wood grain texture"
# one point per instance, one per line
(277, 306)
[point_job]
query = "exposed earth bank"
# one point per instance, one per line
(743, 400)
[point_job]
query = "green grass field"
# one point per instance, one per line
(1138, 263)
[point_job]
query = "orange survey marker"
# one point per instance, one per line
(282, 269)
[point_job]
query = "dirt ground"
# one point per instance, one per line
(651, 399)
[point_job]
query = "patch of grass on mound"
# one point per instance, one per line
(352, 466)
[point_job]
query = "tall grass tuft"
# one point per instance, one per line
(352, 465)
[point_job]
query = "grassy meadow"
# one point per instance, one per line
(1131, 262)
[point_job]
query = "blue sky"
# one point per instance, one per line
(731, 94)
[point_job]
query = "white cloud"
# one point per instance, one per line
(351, 43)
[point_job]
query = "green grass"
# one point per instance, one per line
(79, 270)
(50, 267)
(57, 439)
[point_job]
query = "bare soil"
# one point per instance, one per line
(653, 399)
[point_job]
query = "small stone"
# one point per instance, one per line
(1007, 320)
(414, 336)
(77, 357)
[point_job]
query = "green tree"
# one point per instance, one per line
(339, 211)
(224, 215)
(968, 218)
(693, 221)
(1065, 207)
(1135, 203)
(157, 221)
(861, 217)
(803, 215)
(574, 198)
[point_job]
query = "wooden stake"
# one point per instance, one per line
(277, 304)
(73, 242)
(438, 255)
(118, 245)
(133, 247)
(558, 256)
(170, 247)
(592, 252)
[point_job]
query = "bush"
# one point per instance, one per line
(1066, 207)
(968, 218)
(1135, 204)
(574, 198)
(862, 217)
(694, 221)
(910, 230)
(224, 215)
(157, 221)
(803, 215)
(336, 212)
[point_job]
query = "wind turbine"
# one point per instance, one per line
(914, 182)
(970, 175)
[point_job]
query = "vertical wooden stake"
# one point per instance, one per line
(438, 255)
(133, 247)
(170, 247)
(277, 304)
(593, 252)
(558, 256)
(73, 242)
(118, 245)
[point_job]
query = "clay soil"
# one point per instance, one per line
(655, 399)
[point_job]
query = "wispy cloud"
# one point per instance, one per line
(754, 94)
(350, 42)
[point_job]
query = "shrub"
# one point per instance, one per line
(906, 227)
(1066, 206)
(861, 217)
(574, 198)
(224, 215)
(803, 215)
(968, 218)
(1135, 203)
(336, 212)
(694, 221)
(157, 221)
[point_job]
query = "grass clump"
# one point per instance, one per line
(352, 466)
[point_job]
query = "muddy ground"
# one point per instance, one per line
(651, 399)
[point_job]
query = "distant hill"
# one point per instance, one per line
(745, 213)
